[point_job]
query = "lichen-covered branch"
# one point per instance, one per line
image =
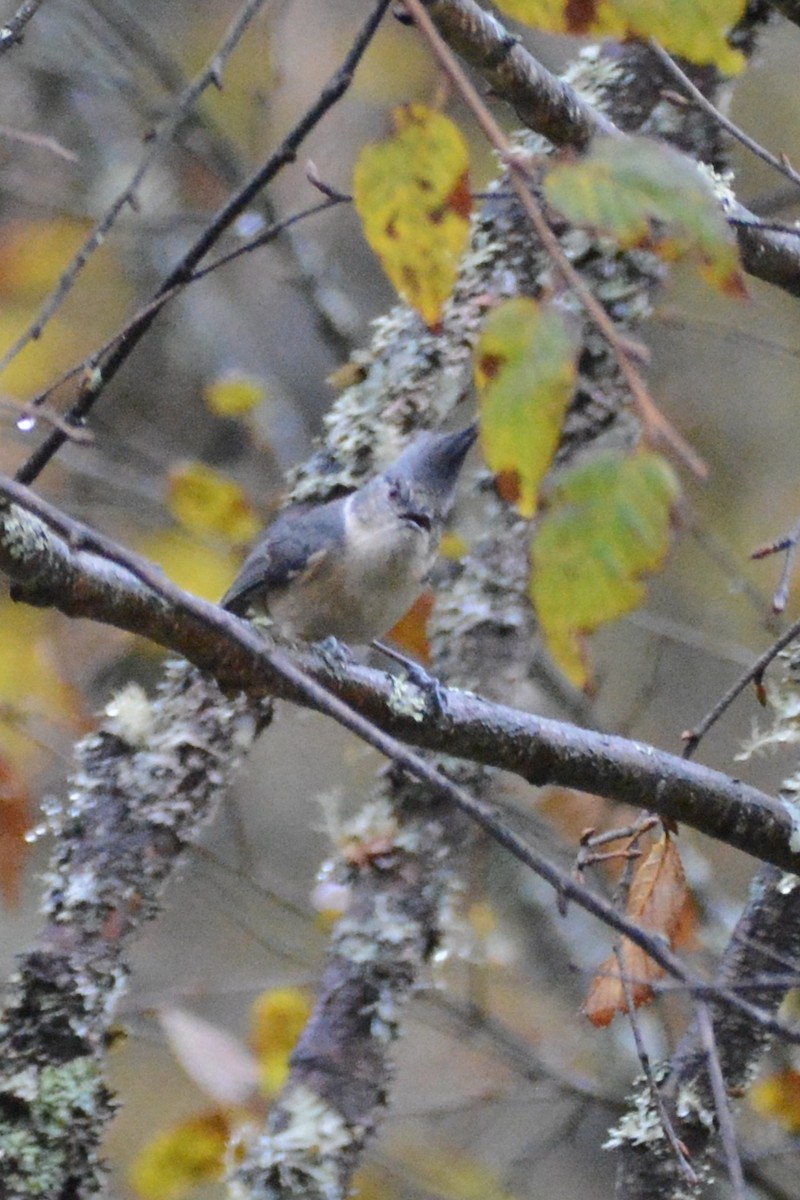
(764, 953)
(81, 582)
(767, 964)
(482, 634)
(143, 785)
(398, 867)
(571, 110)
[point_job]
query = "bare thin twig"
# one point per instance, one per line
(753, 674)
(697, 97)
(11, 33)
(224, 218)
(127, 197)
(678, 1150)
(787, 544)
(622, 347)
(39, 142)
(724, 1118)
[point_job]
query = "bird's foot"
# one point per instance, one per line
(335, 653)
(428, 684)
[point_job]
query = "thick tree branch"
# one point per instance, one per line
(558, 110)
(541, 100)
(144, 784)
(646, 1166)
(13, 30)
(412, 378)
(63, 564)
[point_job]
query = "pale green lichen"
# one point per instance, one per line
(303, 1157)
(690, 1103)
(130, 716)
(36, 1154)
(641, 1124)
(407, 699)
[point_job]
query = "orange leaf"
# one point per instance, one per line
(15, 813)
(410, 632)
(656, 903)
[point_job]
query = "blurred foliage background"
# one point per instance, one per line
(475, 1112)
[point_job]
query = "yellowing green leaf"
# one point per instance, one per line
(277, 1019)
(180, 1159)
(607, 525)
(234, 394)
(695, 29)
(412, 194)
(205, 502)
(623, 184)
(525, 363)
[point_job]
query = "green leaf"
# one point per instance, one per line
(412, 194)
(624, 184)
(606, 526)
(525, 365)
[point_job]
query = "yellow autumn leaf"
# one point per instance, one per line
(694, 29)
(234, 393)
(525, 365)
(623, 185)
(606, 526)
(30, 683)
(181, 1158)
(412, 194)
(277, 1019)
(205, 502)
(456, 1176)
(192, 564)
(778, 1097)
(33, 254)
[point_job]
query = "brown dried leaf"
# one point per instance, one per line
(657, 903)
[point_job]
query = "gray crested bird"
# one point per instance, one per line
(352, 567)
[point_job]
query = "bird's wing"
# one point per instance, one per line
(287, 550)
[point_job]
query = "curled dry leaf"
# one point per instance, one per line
(657, 903)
